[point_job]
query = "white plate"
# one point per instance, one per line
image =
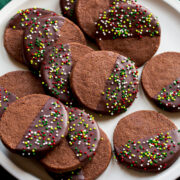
(28, 169)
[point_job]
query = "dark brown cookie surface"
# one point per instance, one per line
(13, 36)
(56, 68)
(33, 125)
(105, 81)
(147, 141)
(6, 98)
(68, 9)
(140, 50)
(21, 83)
(95, 167)
(161, 80)
(79, 147)
(39, 37)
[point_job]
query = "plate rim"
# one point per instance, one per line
(14, 170)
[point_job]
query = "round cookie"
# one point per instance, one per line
(161, 80)
(56, 68)
(95, 167)
(125, 28)
(146, 141)
(33, 125)
(39, 37)
(87, 13)
(13, 35)
(78, 148)
(68, 9)
(129, 29)
(105, 82)
(21, 83)
(6, 98)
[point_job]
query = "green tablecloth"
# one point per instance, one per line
(3, 3)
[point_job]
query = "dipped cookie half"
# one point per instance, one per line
(146, 141)
(161, 80)
(56, 68)
(13, 35)
(105, 81)
(33, 125)
(41, 36)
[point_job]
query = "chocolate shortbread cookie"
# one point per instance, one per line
(68, 9)
(146, 141)
(79, 146)
(41, 36)
(56, 68)
(6, 98)
(93, 168)
(125, 28)
(129, 29)
(161, 80)
(105, 81)
(13, 35)
(21, 83)
(33, 125)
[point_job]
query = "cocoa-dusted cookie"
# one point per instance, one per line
(79, 146)
(93, 168)
(6, 98)
(68, 9)
(56, 68)
(21, 83)
(33, 125)
(41, 36)
(146, 141)
(13, 35)
(161, 80)
(105, 81)
(87, 13)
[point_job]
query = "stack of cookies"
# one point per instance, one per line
(39, 109)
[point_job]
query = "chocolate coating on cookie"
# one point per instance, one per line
(160, 80)
(169, 97)
(78, 148)
(95, 167)
(6, 98)
(38, 37)
(146, 140)
(155, 153)
(13, 36)
(125, 21)
(68, 9)
(56, 68)
(105, 81)
(83, 134)
(21, 83)
(132, 29)
(41, 36)
(36, 132)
